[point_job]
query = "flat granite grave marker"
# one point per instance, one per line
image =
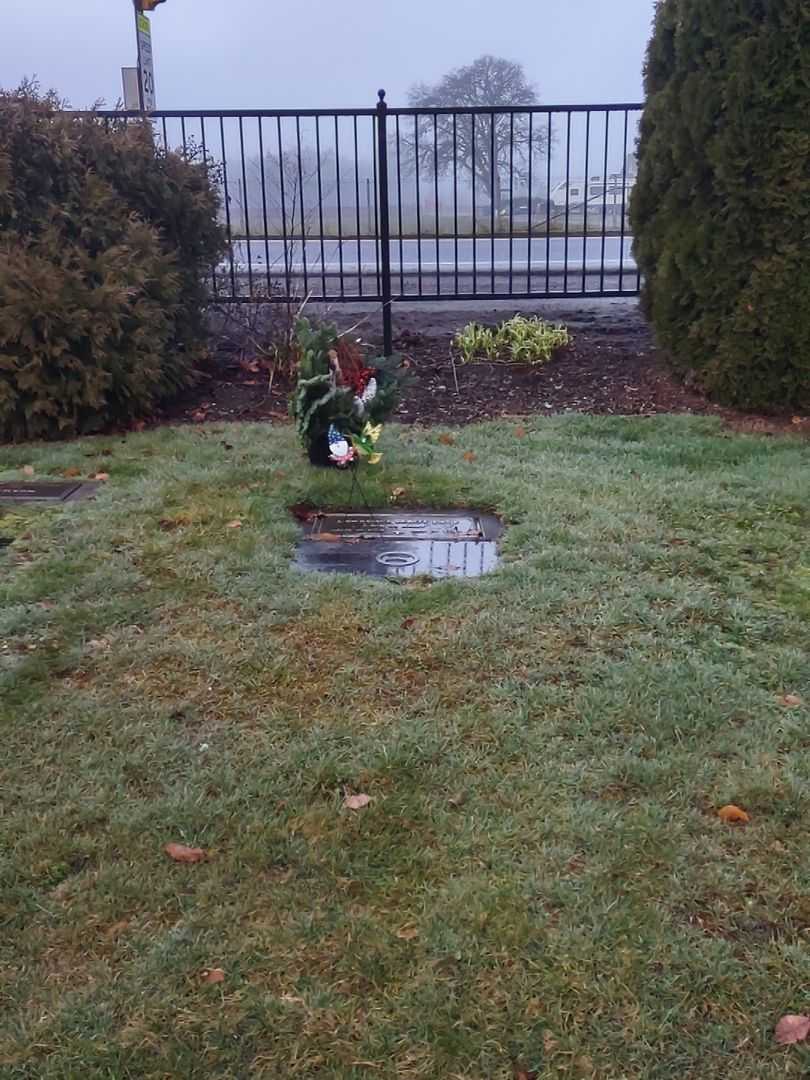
(405, 543)
(16, 491)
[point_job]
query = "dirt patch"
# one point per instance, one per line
(611, 368)
(606, 370)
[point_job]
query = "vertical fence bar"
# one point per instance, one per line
(474, 208)
(357, 211)
(263, 179)
(436, 197)
(567, 199)
(283, 193)
(205, 159)
(301, 198)
(604, 202)
(455, 203)
(165, 138)
(384, 230)
(228, 232)
(399, 215)
(320, 203)
(418, 205)
(375, 170)
(245, 209)
(511, 196)
(624, 200)
(548, 202)
(635, 166)
(183, 134)
(493, 152)
(530, 196)
(339, 208)
(587, 196)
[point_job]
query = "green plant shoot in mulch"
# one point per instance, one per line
(538, 881)
(519, 340)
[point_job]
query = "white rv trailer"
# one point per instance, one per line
(595, 193)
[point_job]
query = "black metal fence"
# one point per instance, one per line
(391, 204)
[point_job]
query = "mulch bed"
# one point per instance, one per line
(611, 368)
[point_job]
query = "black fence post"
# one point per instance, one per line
(384, 237)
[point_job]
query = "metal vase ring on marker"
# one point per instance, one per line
(409, 543)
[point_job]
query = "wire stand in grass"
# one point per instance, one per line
(455, 373)
(358, 487)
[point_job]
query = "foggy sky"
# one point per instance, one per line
(324, 53)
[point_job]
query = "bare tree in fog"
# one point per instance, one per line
(487, 146)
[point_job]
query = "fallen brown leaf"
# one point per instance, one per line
(576, 864)
(212, 975)
(469, 456)
(397, 492)
(27, 470)
(790, 701)
(356, 802)
(792, 1029)
(303, 512)
(181, 853)
(235, 524)
(524, 1074)
(327, 537)
(446, 440)
(117, 928)
(733, 814)
(406, 624)
(71, 472)
(407, 933)
(176, 522)
(520, 432)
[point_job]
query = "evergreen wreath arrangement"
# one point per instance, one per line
(340, 401)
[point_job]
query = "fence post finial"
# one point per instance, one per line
(381, 96)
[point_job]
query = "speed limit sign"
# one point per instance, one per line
(145, 63)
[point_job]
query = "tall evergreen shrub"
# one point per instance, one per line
(105, 241)
(721, 209)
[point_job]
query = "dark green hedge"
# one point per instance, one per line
(105, 242)
(721, 210)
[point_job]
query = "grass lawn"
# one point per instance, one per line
(540, 883)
